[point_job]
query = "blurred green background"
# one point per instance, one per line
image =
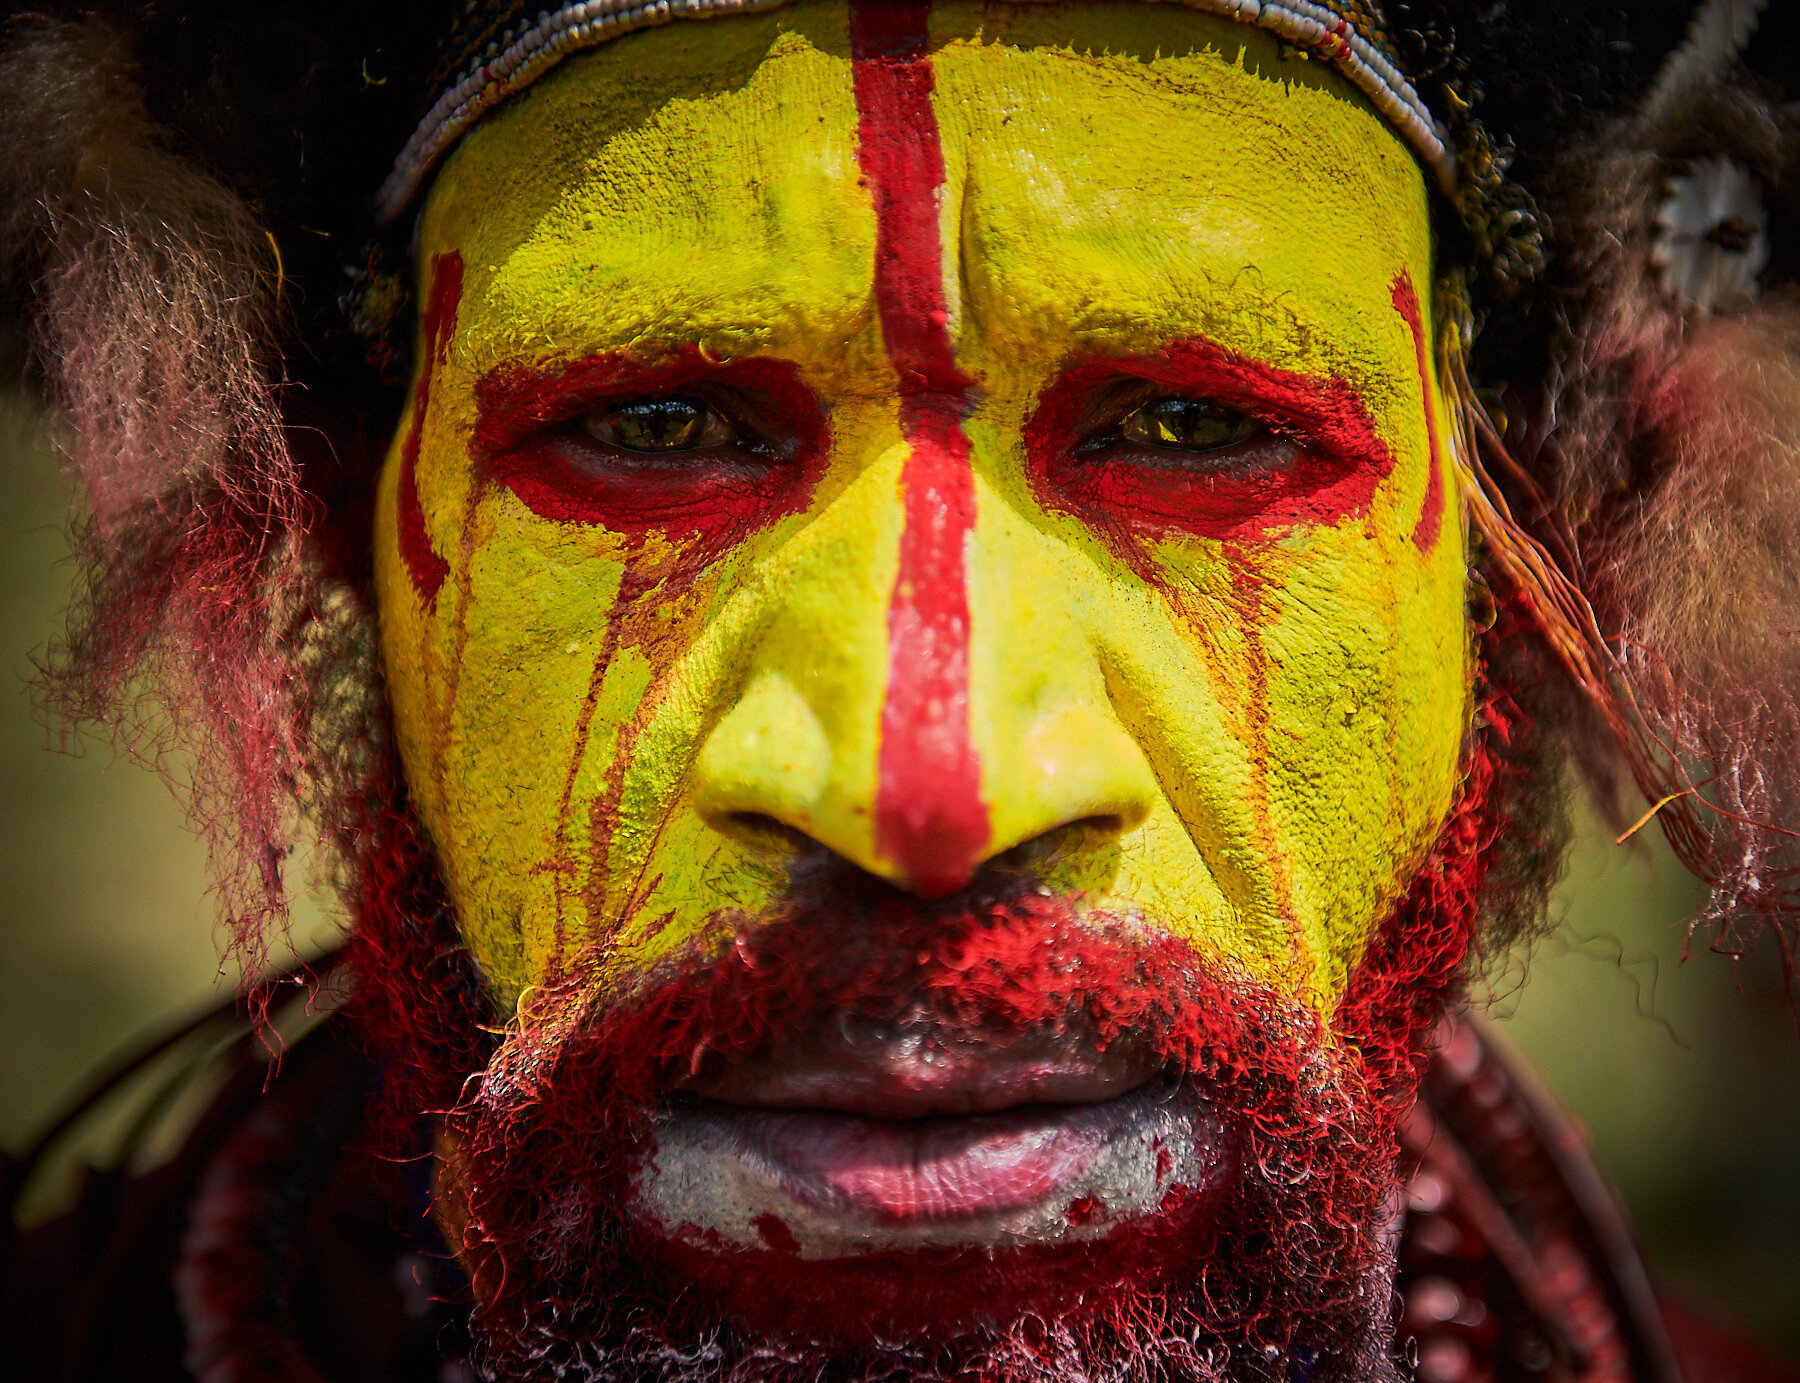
(1687, 1075)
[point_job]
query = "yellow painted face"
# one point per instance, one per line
(1025, 459)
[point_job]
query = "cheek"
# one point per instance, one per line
(1366, 669)
(1305, 699)
(520, 693)
(498, 698)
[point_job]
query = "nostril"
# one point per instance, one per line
(1088, 830)
(762, 830)
(1084, 833)
(1105, 825)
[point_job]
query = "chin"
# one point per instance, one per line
(1006, 1143)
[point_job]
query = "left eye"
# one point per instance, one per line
(1186, 425)
(658, 427)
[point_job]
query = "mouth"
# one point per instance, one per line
(871, 1144)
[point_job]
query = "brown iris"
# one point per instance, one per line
(1185, 425)
(661, 425)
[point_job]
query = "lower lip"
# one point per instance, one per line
(826, 1185)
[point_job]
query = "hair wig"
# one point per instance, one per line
(1669, 444)
(156, 299)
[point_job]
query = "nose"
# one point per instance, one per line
(1054, 751)
(920, 713)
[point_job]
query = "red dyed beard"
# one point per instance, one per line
(1284, 1272)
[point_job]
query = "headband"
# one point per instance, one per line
(498, 49)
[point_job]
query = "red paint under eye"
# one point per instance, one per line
(1317, 462)
(529, 439)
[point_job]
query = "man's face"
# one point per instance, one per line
(862, 479)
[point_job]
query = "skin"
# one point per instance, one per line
(622, 722)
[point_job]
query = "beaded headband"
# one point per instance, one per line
(497, 50)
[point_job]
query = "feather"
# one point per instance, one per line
(1718, 32)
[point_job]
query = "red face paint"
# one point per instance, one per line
(929, 816)
(1431, 515)
(1322, 462)
(528, 439)
(428, 569)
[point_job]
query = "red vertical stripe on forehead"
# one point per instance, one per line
(929, 816)
(1431, 514)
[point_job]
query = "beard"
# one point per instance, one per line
(1273, 1252)
(1275, 1263)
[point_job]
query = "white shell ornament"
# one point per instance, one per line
(1712, 236)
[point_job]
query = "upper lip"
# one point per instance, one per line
(913, 1075)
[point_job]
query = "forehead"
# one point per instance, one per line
(1114, 174)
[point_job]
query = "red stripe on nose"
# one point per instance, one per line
(929, 816)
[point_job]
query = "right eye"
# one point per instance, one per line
(659, 427)
(698, 450)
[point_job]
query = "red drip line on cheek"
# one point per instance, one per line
(1431, 516)
(929, 816)
(1248, 583)
(428, 569)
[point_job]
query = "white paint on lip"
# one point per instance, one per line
(841, 1184)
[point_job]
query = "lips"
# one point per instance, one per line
(895, 1071)
(860, 1145)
